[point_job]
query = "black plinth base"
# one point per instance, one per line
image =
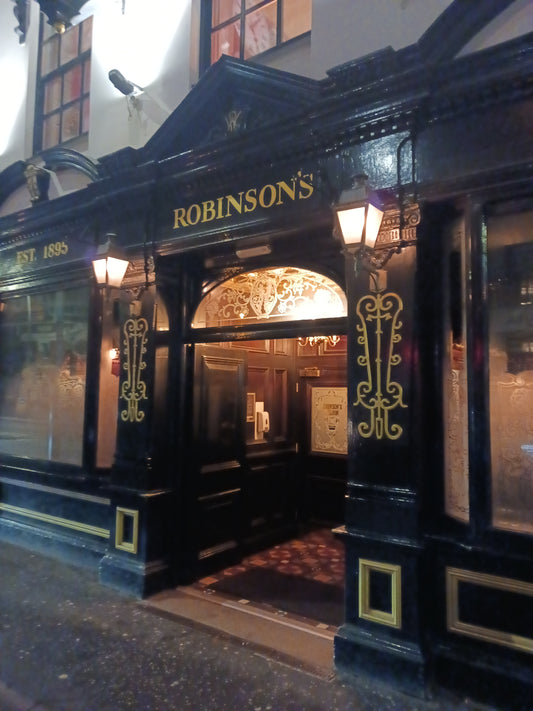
(134, 577)
(397, 662)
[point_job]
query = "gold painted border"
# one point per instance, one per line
(56, 520)
(65, 493)
(393, 618)
(120, 543)
(453, 577)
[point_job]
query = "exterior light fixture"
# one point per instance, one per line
(60, 13)
(109, 263)
(359, 216)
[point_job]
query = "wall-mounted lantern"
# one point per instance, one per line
(359, 216)
(109, 263)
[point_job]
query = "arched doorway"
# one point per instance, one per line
(269, 437)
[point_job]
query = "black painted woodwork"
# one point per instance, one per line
(452, 134)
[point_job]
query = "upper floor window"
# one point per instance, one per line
(63, 81)
(246, 28)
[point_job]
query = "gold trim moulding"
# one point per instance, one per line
(56, 491)
(129, 544)
(56, 520)
(454, 576)
(366, 612)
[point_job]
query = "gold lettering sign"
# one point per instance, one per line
(46, 251)
(299, 187)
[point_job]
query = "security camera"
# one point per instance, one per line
(120, 82)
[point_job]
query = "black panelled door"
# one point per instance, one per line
(219, 444)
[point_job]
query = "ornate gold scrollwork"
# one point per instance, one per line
(133, 389)
(379, 394)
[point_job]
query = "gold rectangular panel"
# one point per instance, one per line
(127, 522)
(454, 576)
(366, 612)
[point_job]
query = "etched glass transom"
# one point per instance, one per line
(273, 294)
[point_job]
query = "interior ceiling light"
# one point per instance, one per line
(318, 340)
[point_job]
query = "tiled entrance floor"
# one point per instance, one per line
(301, 577)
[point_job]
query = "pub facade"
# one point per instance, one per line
(166, 426)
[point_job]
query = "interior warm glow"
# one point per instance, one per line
(14, 81)
(100, 268)
(110, 270)
(352, 224)
(116, 268)
(352, 221)
(373, 223)
(273, 294)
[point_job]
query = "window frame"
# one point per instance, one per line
(81, 60)
(206, 30)
(480, 529)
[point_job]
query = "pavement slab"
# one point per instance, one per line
(67, 643)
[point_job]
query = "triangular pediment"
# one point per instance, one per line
(232, 98)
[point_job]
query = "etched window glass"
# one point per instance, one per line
(42, 375)
(510, 311)
(279, 294)
(455, 381)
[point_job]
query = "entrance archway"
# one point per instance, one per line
(269, 433)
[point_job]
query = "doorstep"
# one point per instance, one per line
(297, 642)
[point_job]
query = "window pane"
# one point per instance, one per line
(510, 274)
(252, 3)
(50, 55)
(42, 375)
(70, 127)
(85, 116)
(51, 130)
(226, 41)
(282, 294)
(224, 10)
(72, 85)
(260, 30)
(455, 383)
(296, 18)
(52, 94)
(69, 45)
(86, 29)
(87, 76)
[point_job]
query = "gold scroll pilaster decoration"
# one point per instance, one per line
(133, 388)
(379, 394)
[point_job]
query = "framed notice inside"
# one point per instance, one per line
(329, 420)
(250, 407)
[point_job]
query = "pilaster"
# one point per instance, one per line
(136, 560)
(382, 634)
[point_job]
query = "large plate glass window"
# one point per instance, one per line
(510, 322)
(42, 375)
